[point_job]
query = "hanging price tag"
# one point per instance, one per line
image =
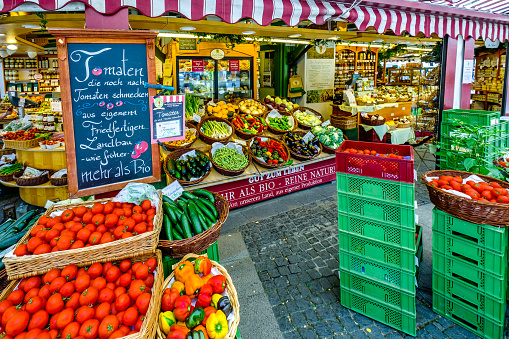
(308, 136)
(173, 190)
(21, 102)
(326, 123)
(196, 118)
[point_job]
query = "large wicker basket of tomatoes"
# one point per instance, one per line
(198, 299)
(472, 197)
(104, 300)
(86, 232)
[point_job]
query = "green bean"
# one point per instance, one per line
(230, 159)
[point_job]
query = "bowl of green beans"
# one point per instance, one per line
(229, 162)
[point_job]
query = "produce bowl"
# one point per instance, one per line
(210, 140)
(10, 177)
(202, 241)
(58, 181)
(278, 131)
(371, 122)
(174, 156)
(187, 145)
(271, 105)
(230, 172)
(243, 135)
(301, 157)
(475, 211)
(263, 163)
(304, 109)
(230, 289)
(210, 113)
(264, 110)
(30, 181)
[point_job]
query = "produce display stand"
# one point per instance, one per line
(258, 183)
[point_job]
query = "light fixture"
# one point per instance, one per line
(3, 54)
(31, 26)
(418, 49)
(32, 54)
(361, 45)
(289, 41)
(379, 40)
(177, 35)
(294, 35)
(10, 52)
(248, 32)
(12, 47)
(187, 28)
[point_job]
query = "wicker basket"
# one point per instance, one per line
(270, 107)
(392, 127)
(25, 144)
(10, 177)
(303, 109)
(202, 241)
(475, 211)
(31, 181)
(232, 101)
(266, 109)
(404, 125)
(391, 100)
(370, 122)
(188, 126)
(327, 149)
(58, 181)
(229, 172)
(29, 265)
(300, 156)
(175, 155)
(148, 329)
(337, 112)
(230, 288)
(7, 151)
(263, 163)
(210, 140)
(247, 136)
(275, 130)
(344, 122)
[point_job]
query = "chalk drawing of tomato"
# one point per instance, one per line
(109, 105)
(119, 103)
(135, 155)
(102, 103)
(97, 71)
(141, 146)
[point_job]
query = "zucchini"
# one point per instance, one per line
(193, 216)
(189, 195)
(171, 214)
(166, 209)
(186, 229)
(206, 194)
(175, 235)
(24, 217)
(6, 224)
(31, 222)
(169, 201)
(204, 209)
(167, 227)
(6, 242)
(210, 206)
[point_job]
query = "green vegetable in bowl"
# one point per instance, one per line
(329, 136)
(230, 159)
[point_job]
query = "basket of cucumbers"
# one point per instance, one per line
(192, 223)
(187, 165)
(7, 172)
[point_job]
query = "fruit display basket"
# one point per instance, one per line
(230, 289)
(475, 211)
(175, 155)
(229, 172)
(304, 109)
(263, 163)
(301, 157)
(28, 265)
(22, 144)
(210, 140)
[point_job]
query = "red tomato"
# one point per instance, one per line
(57, 284)
(76, 227)
(99, 283)
(82, 283)
(122, 302)
(112, 274)
(32, 293)
(445, 177)
(119, 291)
(68, 215)
(492, 184)
(130, 316)
(102, 311)
(69, 272)
(127, 235)
(97, 208)
(34, 304)
(106, 267)
(21, 250)
(127, 212)
(142, 302)
(43, 220)
(18, 323)
(89, 296)
(496, 191)
(5, 305)
(110, 220)
(32, 334)
(487, 195)
(146, 204)
(71, 331)
(139, 323)
(473, 193)
(119, 232)
(33, 282)
(95, 238)
(98, 219)
(125, 279)
(39, 320)
(65, 318)
(140, 228)
(84, 313)
(8, 314)
(45, 292)
(465, 187)
(51, 234)
(95, 270)
(90, 227)
(55, 303)
(503, 199)
(458, 179)
(87, 217)
(137, 288)
(80, 211)
(16, 296)
(130, 223)
(106, 296)
(137, 217)
(77, 244)
(108, 207)
(152, 264)
(142, 272)
(455, 185)
(106, 238)
(101, 228)
(89, 329)
(108, 325)
(58, 226)
(67, 289)
(33, 243)
(74, 301)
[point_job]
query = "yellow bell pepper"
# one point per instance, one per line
(193, 285)
(179, 285)
(217, 325)
(166, 319)
(184, 270)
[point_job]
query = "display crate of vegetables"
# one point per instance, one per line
(268, 152)
(190, 137)
(279, 122)
(306, 117)
(229, 158)
(187, 165)
(247, 126)
(471, 197)
(24, 139)
(303, 146)
(214, 129)
(253, 107)
(105, 299)
(330, 137)
(7, 171)
(89, 231)
(206, 284)
(192, 223)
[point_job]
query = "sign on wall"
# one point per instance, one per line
(320, 70)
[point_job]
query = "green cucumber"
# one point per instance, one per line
(183, 199)
(6, 224)
(204, 221)
(206, 194)
(175, 235)
(193, 216)
(204, 209)
(166, 209)
(169, 201)
(171, 213)
(4, 243)
(184, 222)
(189, 195)
(31, 222)
(210, 206)
(23, 218)
(167, 227)
(182, 204)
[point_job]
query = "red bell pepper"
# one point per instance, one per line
(218, 283)
(203, 300)
(177, 332)
(206, 289)
(202, 265)
(182, 307)
(208, 311)
(168, 300)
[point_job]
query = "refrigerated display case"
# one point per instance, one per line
(228, 78)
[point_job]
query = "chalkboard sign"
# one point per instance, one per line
(106, 111)
(187, 44)
(168, 121)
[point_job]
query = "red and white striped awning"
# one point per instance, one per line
(491, 6)
(264, 12)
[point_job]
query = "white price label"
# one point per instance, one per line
(56, 106)
(173, 190)
(240, 142)
(326, 123)
(308, 136)
(504, 117)
(21, 102)
(196, 117)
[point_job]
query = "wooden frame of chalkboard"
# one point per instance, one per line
(97, 67)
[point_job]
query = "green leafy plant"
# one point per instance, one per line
(435, 55)
(388, 53)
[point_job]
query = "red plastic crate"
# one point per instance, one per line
(371, 136)
(374, 166)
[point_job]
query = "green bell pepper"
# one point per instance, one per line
(195, 318)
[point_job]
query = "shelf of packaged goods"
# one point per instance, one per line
(39, 149)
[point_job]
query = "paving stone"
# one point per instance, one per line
(294, 268)
(307, 332)
(284, 324)
(315, 287)
(283, 294)
(393, 335)
(445, 323)
(336, 327)
(434, 331)
(280, 281)
(292, 335)
(293, 279)
(314, 274)
(303, 290)
(311, 316)
(280, 311)
(322, 330)
(283, 270)
(422, 333)
(298, 319)
(373, 332)
(360, 334)
(273, 298)
(362, 320)
(292, 306)
(329, 297)
(454, 333)
(349, 324)
(326, 312)
(316, 300)
(466, 333)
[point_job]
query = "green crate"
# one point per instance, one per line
(458, 249)
(488, 237)
(378, 271)
(392, 256)
(471, 298)
(379, 311)
(461, 315)
(379, 231)
(479, 118)
(486, 283)
(394, 297)
(380, 210)
(351, 134)
(387, 190)
(168, 262)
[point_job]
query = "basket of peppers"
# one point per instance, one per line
(198, 301)
(247, 126)
(268, 152)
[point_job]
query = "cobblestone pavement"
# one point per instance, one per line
(296, 257)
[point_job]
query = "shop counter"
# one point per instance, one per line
(40, 194)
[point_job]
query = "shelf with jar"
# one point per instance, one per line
(488, 81)
(354, 60)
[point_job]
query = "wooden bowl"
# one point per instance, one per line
(229, 172)
(175, 155)
(208, 139)
(263, 163)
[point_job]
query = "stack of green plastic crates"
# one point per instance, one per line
(490, 120)
(378, 247)
(470, 274)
